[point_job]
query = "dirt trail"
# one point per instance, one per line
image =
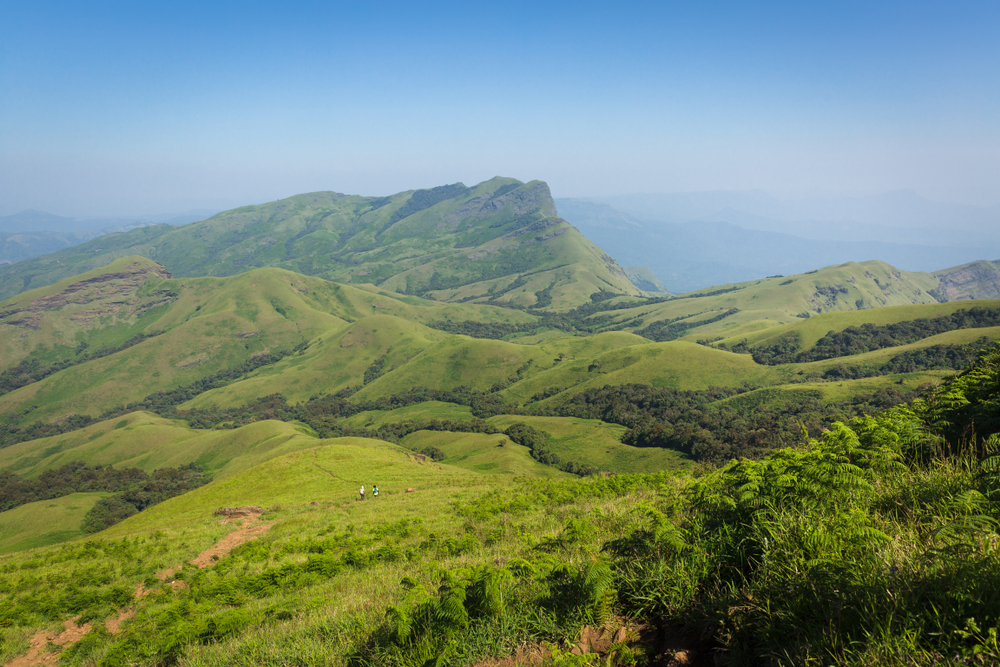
(40, 653)
(38, 646)
(316, 457)
(245, 533)
(664, 650)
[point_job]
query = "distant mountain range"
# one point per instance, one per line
(834, 217)
(696, 240)
(31, 221)
(33, 233)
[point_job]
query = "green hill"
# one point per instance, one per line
(129, 338)
(742, 308)
(813, 557)
(45, 522)
(77, 346)
(145, 441)
(532, 462)
(807, 332)
(127, 366)
(500, 241)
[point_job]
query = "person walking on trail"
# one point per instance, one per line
(362, 492)
(374, 491)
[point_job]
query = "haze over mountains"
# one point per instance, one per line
(695, 240)
(678, 242)
(32, 233)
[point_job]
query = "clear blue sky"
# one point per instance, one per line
(119, 108)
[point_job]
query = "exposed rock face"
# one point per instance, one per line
(521, 201)
(978, 280)
(246, 510)
(106, 294)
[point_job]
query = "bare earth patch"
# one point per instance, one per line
(44, 647)
(39, 645)
(247, 532)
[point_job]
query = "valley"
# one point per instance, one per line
(544, 434)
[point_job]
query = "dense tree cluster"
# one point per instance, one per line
(537, 444)
(161, 402)
(674, 329)
(935, 357)
(148, 491)
(376, 369)
(73, 477)
(491, 330)
(592, 317)
(134, 489)
(707, 427)
(869, 337)
(11, 433)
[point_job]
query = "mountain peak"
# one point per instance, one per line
(498, 242)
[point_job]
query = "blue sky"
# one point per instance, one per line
(124, 108)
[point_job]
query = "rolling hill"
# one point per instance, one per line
(76, 348)
(530, 420)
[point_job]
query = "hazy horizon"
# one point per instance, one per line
(783, 197)
(119, 110)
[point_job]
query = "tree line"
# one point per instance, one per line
(869, 337)
(134, 489)
(720, 423)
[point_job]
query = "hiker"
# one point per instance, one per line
(374, 491)
(362, 492)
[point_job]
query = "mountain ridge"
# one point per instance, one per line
(499, 242)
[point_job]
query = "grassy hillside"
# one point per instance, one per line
(371, 345)
(104, 307)
(417, 526)
(595, 443)
(678, 365)
(742, 308)
(106, 327)
(197, 364)
(477, 423)
(841, 550)
(499, 241)
(976, 280)
(145, 441)
(810, 330)
(45, 522)
(586, 441)
(480, 453)
(190, 329)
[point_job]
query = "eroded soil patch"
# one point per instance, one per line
(44, 647)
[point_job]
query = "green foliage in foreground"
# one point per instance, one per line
(876, 543)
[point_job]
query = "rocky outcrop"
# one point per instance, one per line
(977, 280)
(114, 293)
